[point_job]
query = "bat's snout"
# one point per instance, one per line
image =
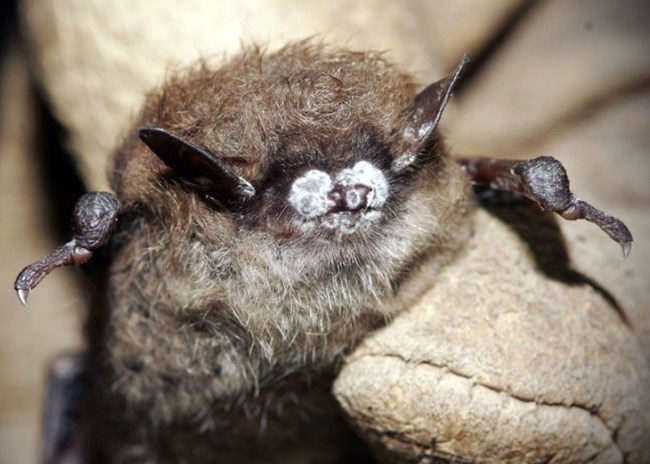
(361, 187)
(350, 197)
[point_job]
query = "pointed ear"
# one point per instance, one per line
(422, 118)
(197, 167)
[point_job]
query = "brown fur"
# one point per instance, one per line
(219, 319)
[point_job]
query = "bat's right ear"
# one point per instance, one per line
(422, 118)
(197, 168)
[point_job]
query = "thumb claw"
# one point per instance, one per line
(22, 296)
(626, 246)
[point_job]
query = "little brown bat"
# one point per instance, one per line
(281, 207)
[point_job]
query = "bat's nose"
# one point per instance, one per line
(350, 197)
(360, 187)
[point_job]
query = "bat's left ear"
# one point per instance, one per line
(197, 168)
(422, 117)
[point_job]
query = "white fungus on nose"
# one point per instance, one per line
(311, 193)
(363, 174)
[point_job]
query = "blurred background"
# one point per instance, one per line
(568, 79)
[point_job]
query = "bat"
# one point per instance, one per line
(266, 216)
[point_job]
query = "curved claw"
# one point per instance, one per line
(627, 247)
(22, 296)
(30, 276)
(612, 226)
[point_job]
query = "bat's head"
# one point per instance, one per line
(307, 145)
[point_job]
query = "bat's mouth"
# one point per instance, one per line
(341, 223)
(348, 222)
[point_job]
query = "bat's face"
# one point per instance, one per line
(324, 150)
(330, 190)
(342, 189)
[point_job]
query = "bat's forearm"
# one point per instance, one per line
(544, 180)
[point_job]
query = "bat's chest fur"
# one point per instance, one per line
(192, 325)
